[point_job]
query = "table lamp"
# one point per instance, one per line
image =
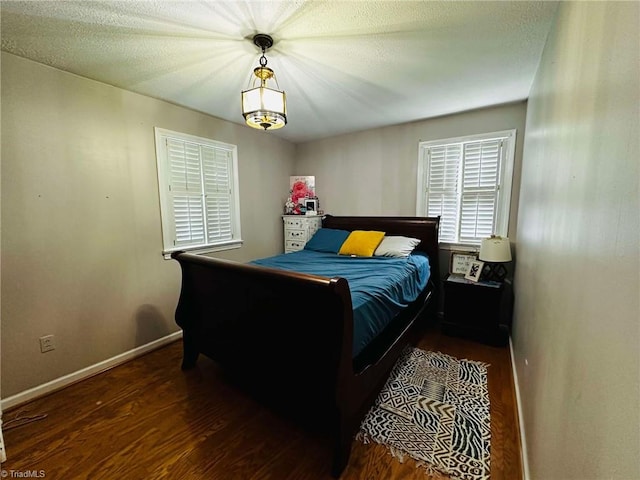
(495, 251)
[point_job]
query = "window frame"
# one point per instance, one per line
(505, 180)
(166, 210)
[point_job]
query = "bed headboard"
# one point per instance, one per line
(424, 228)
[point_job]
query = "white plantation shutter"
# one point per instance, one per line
(467, 181)
(480, 183)
(217, 191)
(442, 188)
(185, 192)
(198, 192)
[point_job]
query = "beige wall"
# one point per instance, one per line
(374, 172)
(577, 318)
(81, 235)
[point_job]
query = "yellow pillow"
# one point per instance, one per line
(361, 243)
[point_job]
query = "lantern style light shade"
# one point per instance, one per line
(262, 106)
(495, 249)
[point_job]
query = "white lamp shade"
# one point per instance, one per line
(495, 250)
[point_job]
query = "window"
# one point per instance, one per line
(467, 181)
(199, 201)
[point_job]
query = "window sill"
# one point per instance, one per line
(467, 247)
(206, 249)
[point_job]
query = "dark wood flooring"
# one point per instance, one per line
(147, 419)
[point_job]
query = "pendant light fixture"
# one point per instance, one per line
(262, 106)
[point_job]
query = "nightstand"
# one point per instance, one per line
(478, 310)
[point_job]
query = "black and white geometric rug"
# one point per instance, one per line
(434, 408)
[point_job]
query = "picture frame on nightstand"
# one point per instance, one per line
(460, 260)
(474, 271)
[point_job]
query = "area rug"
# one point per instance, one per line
(434, 408)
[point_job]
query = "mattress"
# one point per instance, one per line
(380, 286)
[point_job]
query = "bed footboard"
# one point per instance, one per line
(235, 314)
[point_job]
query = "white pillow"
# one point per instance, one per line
(396, 247)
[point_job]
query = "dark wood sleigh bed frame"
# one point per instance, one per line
(289, 335)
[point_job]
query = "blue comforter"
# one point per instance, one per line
(380, 286)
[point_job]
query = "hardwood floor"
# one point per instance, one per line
(147, 419)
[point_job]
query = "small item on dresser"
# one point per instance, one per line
(311, 204)
(289, 206)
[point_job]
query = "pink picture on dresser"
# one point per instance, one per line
(301, 188)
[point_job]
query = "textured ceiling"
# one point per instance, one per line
(345, 66)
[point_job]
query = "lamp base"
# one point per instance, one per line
(494, 272)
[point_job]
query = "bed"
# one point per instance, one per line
(289, 336)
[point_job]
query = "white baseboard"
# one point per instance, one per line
(3, 453)
(58, 383)
(523, 439)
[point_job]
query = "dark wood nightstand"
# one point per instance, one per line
(481, 310)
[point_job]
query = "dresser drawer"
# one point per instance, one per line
(290, 222)
(300, 235)
(293, 246)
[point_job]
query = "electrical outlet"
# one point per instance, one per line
(47, 344)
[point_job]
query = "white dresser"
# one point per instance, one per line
(298, 229)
